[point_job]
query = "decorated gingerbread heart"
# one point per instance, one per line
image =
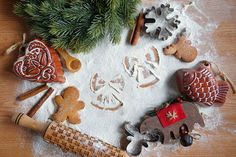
(200, 85)
(39, 63)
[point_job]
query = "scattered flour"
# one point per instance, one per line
(106, 59)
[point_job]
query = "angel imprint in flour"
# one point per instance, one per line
(107, 92)
(143, 69)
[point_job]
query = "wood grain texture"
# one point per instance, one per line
(16, 142)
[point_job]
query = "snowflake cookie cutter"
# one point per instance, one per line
(159, 22)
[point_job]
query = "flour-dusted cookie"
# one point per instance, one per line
(68, 106)
(182, 50)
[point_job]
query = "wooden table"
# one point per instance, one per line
(16, 142)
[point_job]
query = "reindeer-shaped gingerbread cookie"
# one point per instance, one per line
(68, 106)
(182, 50)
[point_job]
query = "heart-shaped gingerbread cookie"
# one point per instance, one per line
(39, 63)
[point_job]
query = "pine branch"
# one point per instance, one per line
(128, 11)
(77, 24)
(97, 28)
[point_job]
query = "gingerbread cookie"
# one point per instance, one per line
(182, 50)
(39, 63)
(68, 106)
(199, 84)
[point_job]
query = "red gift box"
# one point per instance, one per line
(171, 114)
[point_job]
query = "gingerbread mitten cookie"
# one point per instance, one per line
(68, 106)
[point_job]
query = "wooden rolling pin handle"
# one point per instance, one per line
(27, 122)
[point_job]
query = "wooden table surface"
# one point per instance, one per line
(16, 142)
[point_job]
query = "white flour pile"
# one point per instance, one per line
(106, 60)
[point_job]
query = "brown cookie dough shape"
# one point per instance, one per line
(68, 106)
(182, 50)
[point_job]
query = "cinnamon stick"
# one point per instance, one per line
(36, 107)
(32, 92)
(137, 29)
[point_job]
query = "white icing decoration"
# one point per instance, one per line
(33, 56)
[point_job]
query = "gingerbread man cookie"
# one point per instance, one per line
(68, 106)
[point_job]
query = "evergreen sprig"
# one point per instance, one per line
(77, 24)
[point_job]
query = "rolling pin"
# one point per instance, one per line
(69, 139)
